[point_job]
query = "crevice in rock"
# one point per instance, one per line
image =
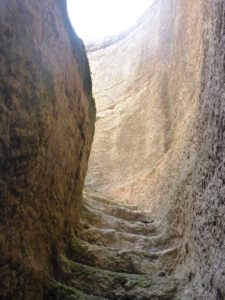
(148, 220)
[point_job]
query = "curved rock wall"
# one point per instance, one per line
(160, 130)
(46, 128)
(204, 212)
(146, 84)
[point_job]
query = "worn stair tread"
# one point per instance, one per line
(61, 291)
(117, 239)
(117, 253)
(119, 211)
(102, 220)
(124, 260)
(114, 285)
(105, 200)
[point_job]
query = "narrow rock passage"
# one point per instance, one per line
(118, 252)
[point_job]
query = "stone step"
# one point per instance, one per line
(101, 220)
(103, 199)
(120, 286)
(120, 212)
(118, 240)
(123, 260)
(60, 291)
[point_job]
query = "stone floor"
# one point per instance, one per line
(118, 252)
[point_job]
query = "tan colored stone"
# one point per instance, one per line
(159, 140)
(116, 264)
(146, 84)
(159, 147)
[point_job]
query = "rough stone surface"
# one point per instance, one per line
(204, 206)
(160, 140)
(146, 85)
(159, 147)
(46, 128)
(112, 264)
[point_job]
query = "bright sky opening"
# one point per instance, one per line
(96, 19)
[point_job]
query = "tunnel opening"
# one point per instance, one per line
(105, 32)
(96, 20)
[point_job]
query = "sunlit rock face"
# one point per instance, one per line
(146, 84)
(46, 128)
(160, 130)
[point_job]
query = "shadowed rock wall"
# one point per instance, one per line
(204, 208)
(46, 128)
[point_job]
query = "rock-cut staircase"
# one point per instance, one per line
(117, 253)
